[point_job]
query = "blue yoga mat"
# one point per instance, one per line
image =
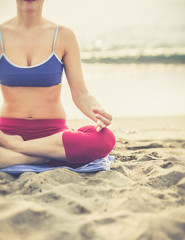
(102, 164)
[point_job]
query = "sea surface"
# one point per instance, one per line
(133, 52)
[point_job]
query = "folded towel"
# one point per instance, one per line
(102, 164)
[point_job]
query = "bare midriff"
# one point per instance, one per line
(32, 103)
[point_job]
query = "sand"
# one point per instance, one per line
(141, 197)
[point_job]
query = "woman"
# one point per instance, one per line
(32, 123)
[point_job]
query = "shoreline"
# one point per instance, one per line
(121, 125)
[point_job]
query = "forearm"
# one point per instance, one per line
(86, 102)
(81, 97)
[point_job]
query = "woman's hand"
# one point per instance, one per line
(103, 118)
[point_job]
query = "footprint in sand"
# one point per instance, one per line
(148, 146)
(77, 209)
(167, 165)
(167, 180)
(49, 197)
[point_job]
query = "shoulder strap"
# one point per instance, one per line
(55, 37)
(1, 41)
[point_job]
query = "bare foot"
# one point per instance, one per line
(9, 141)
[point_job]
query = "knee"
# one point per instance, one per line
(103, 141)
(107, 140)
(86, 144)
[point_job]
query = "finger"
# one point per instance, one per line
(104, 120)
(100, 124)
(98, 129)
(102, 112)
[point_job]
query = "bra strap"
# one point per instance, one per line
(55, 38)
(1, 41)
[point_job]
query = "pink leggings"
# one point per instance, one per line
(81, 146)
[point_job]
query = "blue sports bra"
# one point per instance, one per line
(47, 73)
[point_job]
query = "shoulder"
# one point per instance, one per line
(64, 32)
(7, 25)
(67, 35)
(4, 27)
(68, 40)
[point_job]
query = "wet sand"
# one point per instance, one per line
(142, 197)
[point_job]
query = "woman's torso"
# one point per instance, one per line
(28, 50)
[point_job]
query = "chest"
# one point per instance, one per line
(30, 60)
(28, 49)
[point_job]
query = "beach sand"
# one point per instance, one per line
(142, 197)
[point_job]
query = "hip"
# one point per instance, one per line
(32, 129)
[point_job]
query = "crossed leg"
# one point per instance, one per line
(9, 158)
(49, 147)
(81, 146)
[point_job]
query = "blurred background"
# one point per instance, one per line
(133, 52)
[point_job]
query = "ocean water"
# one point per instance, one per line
(133, 52)
(133, 90)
